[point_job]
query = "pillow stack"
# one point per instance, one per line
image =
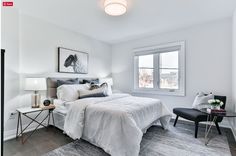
(71, 90)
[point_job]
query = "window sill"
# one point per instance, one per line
(165, 93)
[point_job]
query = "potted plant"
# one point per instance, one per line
(215, 103)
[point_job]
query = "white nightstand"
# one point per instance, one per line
(28, 110)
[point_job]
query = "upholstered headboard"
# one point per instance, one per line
(52, 85)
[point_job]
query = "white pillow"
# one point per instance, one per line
(109, 90)
(201, 100)
(70, 92)
(99, 92)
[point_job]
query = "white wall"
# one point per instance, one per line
(35, 54)
(38, 48)
(10, 42)
(234, 70)
(208, 65)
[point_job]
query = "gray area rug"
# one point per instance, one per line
(176, 141)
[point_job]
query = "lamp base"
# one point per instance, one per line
(35, 100)
(35, 106)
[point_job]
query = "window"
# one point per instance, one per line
(145, 71)
(160, 69)
(169, 70)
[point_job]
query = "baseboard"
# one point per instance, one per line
(233, 130)
(234, 133)
(11, 134)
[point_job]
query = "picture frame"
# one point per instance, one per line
(72, 61)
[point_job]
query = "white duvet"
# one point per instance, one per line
(115, 123)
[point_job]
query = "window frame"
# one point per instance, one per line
(156, 50)
(153, 68)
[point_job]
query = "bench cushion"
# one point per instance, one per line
(190, 114)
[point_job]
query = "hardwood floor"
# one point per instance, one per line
(42, 141)
(45, 140)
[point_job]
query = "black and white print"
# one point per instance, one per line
(72, 61)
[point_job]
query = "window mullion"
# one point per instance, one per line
(156, 71)
(136, 72)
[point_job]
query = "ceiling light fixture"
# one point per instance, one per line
(115, 7)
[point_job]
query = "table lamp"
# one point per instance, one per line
(36, 85)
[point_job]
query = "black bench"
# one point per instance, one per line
(198, 116)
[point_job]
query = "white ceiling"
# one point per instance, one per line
(144, 17)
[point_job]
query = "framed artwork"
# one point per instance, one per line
(72, 61)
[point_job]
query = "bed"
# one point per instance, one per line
(115, 123)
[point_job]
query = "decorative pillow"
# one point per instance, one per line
(67, 82)
(96, 86)
(70, 92)
(98, 92)
(91, 81)
(201, 100)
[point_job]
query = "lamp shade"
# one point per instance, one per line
(35, 84)
(108, 80)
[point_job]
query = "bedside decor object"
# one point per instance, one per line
(46, 102)
(115, 7)
(72, 61)
(35, 84)
(215, 103)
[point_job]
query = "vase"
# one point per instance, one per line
(215, 107)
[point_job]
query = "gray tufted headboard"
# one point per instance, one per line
(52, 85)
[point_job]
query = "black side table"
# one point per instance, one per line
(28, 110)
(212, 117)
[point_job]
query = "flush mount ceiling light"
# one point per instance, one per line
(115, 7)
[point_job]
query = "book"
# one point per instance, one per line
(216, 110)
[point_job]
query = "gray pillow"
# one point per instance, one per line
(91, 81)
(68, 82)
